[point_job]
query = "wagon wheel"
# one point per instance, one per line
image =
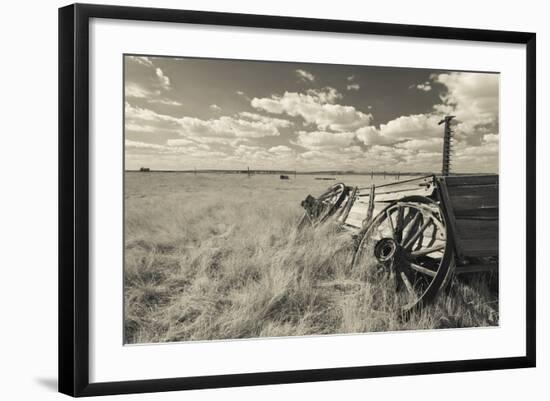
(327, 204)
(410, 241)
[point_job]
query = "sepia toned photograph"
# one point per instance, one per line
(282, 199)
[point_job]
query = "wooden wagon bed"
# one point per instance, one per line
(423, 229)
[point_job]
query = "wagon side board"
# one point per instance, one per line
(383, 195)
(471, 207)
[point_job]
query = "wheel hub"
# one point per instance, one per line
(385, 249)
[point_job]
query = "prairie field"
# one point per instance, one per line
(218, 256)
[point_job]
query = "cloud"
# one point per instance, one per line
(472, 97)
(229, 127)
(164, 81)
(281, 150)
(353, 87)
(242, 125)
(490, 138)
(172, 147)
(145, 61)
(416, 139)
(316, 107)
(426, 87)
(167, 102)
(413, 126)
(278, 122)
(427, 145)
(142, 145)
(371, 136)
(215, 107)
(183, 142)
(350, 78)
(305, 75)
(314, 140)
(132, 89)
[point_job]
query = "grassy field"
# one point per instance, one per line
(214, 256)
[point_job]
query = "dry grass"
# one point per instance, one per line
(218, 257)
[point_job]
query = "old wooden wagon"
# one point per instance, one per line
(421, 230)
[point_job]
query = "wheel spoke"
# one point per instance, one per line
(388, 216)
(410, 220)
(423, 270)
(411, 227)
(408, 284)
(426, 251)
(415, 229)
(415, 236)
(399, 224)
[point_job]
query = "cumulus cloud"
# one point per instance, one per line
(371, 136)
(426, 87)
(281, 150)
(351, 78)
(305, 75)
(490, 138)
(215, 107)
(167, 102)
(472, 97)
(316, 107)
(428, 145)
(243, 125)
(164, 81)
(132, 89)
(143, 145)
(413, 126)
(322, 139)
(353, 87)
(145, 61)
(228, 127)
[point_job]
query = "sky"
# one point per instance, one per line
(190, 113)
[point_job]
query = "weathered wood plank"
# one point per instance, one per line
(479, 247)
(392, 196)
(359, 208)
(477, 229)
(447, 207)
(354, 222)
(452, 181)
(476, 268)
(490, 213)
(473, 197)
(484, 189)
(421, 180)
(472, 203)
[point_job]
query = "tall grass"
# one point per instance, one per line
(219, 257)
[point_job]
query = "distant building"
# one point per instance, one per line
(283, 177)
(144, 169)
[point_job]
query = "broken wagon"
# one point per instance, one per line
(421, 230)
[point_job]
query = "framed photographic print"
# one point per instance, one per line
(248, 199)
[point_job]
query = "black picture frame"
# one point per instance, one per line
(74, 198)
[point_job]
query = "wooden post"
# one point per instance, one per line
(370, 210)
(372, 175)
(248, 171)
